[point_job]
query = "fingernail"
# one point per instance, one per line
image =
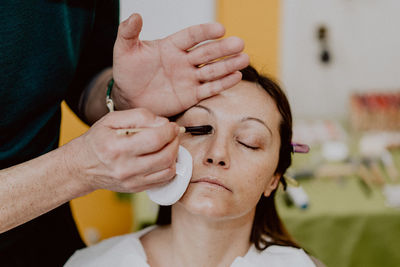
(177, 129)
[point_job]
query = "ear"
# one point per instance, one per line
(272, 184)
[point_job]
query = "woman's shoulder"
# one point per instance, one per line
(275, 256)
(116, 251)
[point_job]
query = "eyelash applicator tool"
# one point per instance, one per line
(195, 130)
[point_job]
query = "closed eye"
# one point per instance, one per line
(195, 134)
(247, 146)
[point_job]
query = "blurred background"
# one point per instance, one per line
(339, 63)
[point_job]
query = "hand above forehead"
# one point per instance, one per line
(172, 74)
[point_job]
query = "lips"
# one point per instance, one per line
(211, 180)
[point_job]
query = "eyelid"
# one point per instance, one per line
(251, 147)
(195, 134)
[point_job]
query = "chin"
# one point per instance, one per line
(206, 205)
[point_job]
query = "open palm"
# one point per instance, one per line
(169, 75)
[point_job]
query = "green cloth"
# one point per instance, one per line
(50, 50)
(344, 226)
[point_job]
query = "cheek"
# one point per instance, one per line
(255, 178)
(253, 181)
(195, 146)
(185, 142)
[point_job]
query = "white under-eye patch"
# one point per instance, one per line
(170, 193)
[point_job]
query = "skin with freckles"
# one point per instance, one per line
(232, 168)
(240, 155)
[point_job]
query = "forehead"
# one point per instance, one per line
(243, 100)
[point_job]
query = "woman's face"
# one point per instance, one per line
(235, 164)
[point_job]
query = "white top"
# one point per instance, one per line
(127, 250)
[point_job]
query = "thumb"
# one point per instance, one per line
(129, 30)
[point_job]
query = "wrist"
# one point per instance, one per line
(119, 100)
(74, 168)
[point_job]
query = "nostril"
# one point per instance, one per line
(222, 163)
(209, 160)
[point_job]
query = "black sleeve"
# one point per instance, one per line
(97, 54)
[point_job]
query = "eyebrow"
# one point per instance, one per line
(205, 108)
(242, 120)
(257, 120)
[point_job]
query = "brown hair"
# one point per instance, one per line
(268, 228)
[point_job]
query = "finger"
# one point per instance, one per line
(160, 160)
(161, 177)
(151, 140)
(222, 68)
(191, 36)
(133, 118)
(153, 180)
(129, 30)
(213, 50)
(166, 158)
(212, 88)
(127, 165)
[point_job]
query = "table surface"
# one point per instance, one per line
(343, 225)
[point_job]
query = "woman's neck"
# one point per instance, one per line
(194, 240)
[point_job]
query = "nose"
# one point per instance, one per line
(217, 152)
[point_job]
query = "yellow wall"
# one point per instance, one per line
(255, 21)
(101, 210)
